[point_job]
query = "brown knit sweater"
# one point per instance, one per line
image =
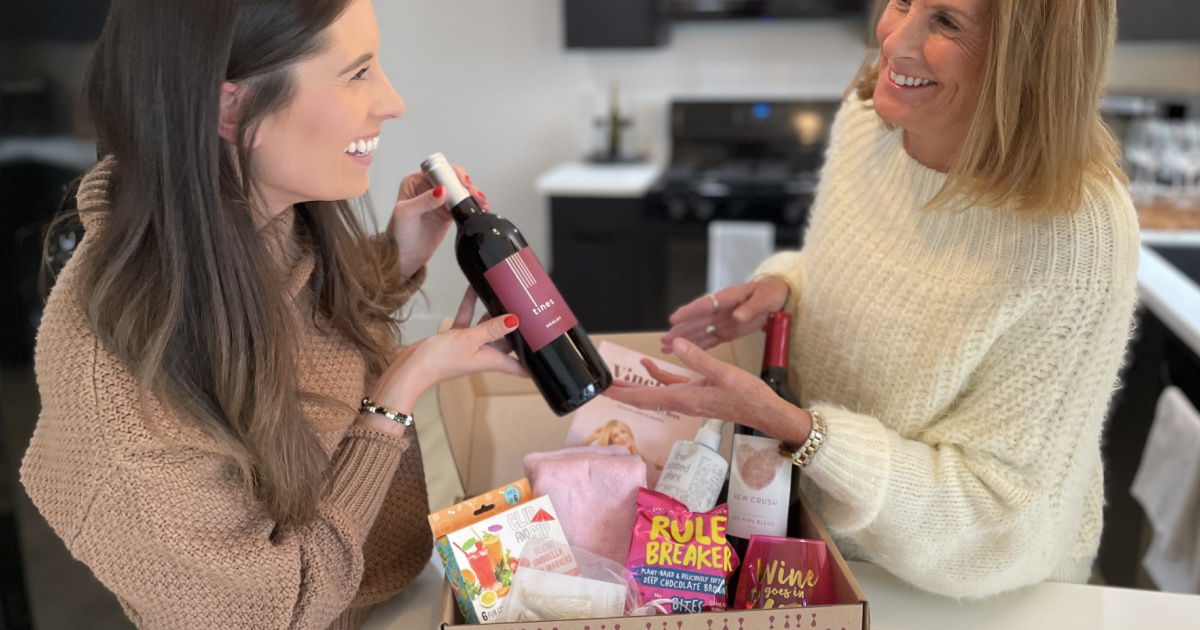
(140, 496)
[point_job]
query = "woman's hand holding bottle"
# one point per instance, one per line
(420, 220)
(462, 350)
(728, 314)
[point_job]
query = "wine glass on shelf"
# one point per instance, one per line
(1141, 161)
(1176, 166)
(1190, 136)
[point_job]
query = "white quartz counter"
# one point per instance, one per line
(578, 179)
(62, 151)
(1168, 293)
(1046, 606)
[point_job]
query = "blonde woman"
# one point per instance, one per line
(961, 305)
(614, 432)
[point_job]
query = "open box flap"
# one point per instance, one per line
(492, 420)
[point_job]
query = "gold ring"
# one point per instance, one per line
(716, 306)
(710, 330)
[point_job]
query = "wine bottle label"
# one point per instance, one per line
(525, 290)
(759, 488)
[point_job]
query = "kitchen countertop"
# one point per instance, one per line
(578, 179)
(1046, 606)
(894, 604)
(1170, 295)
(1165, 216)
(62, 151)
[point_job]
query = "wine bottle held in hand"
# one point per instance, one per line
(508, 277)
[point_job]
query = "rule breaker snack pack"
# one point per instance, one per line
(681, 558)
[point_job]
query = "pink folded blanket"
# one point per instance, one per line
(594, 492)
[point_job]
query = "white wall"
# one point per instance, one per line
(490, 84)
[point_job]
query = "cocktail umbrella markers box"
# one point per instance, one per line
(494, 420)
(480, 554)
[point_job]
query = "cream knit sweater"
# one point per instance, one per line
(963, 361)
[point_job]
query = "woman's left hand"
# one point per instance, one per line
(725, 392)
(419, 220)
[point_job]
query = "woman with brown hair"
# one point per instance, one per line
(961, 304)
(225, 435)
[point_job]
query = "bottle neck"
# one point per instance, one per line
(465, 209)
(779, 340)
(456, 196)
(774, 373)
(710, 433)
(775, 355)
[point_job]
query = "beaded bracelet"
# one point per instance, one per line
(370, 407)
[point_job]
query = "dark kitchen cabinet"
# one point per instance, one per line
(614, 24)
(599, 248)
(14, 602)
(57, 20)
(1158, 19)
(1155, 359)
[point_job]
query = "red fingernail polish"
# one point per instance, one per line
(468, 179)
(439, 191)
(511, 321)
(481, 195)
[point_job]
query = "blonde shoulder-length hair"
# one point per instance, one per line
(1037, 138)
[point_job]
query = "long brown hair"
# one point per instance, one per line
(181, 287)
(1037, 139)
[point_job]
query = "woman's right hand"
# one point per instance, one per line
(740, 310)
(462, 350)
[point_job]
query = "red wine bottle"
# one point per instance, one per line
(508, 277)
(762, 508)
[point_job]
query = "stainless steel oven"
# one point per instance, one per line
(730, 161)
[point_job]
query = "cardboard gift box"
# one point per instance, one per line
(493, 420)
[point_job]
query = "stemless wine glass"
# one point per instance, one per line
(1140, 160)
(1191, 151)
(1176, 165)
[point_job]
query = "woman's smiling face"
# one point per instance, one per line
(620, 435)
(341, 100)
(932, 64)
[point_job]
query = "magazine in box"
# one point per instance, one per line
(647, 434)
